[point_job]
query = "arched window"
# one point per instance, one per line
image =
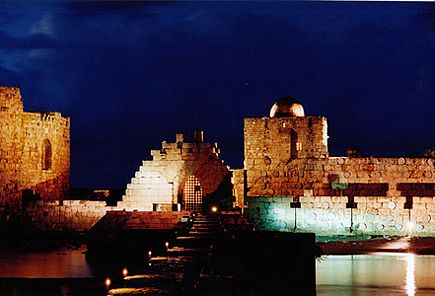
(46, 155)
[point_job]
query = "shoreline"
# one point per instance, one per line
(415, 245)
(43, 241)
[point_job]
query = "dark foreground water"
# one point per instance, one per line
(372, 274)
(60, 263)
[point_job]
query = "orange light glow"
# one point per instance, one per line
(125, 272)
(167, 244)
(150, 253)
(214, 209)
(108, 282)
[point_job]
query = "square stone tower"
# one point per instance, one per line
(272, 143)
(34, 153)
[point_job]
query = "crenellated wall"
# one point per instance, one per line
(34, 152)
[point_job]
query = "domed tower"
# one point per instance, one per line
(274, 143)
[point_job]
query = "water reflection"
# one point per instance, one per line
(410, 278)
(378, 273)
(60, 263)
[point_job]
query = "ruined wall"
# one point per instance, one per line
(163, 179)
(34, 152)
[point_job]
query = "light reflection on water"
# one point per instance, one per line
(410, 274)
(377, 273)
(55, 264)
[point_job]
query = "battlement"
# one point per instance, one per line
(183, 150)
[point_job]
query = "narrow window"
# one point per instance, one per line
(293, 144)
(46, 155)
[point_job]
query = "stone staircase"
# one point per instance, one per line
(204, 226)
(176, 271)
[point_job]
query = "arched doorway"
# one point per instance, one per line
(192, 194)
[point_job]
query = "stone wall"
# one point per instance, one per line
(69, 215)
(319, 175)
(163, 179)
(328, 215)
(82, 215)
(238, 181)
(34, 152)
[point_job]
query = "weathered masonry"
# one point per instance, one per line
(180, 175)
(292, 184)
(289, 181)
(34, 153)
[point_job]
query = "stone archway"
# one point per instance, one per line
(192, 194)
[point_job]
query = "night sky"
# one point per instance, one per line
(132, 75)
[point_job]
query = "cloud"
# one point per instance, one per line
(7, 41)
(44, 26)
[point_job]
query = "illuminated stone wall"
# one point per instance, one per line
(328, 215)
(387, 195)
(69, 215)
(82, 215)
(34, 152)
(162, 180)
(238, 179)
(272, 144)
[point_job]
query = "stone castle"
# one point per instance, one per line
(34, 153)
(289, 182)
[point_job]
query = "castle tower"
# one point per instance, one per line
(34, 153)
(272, 143)
(11, 146)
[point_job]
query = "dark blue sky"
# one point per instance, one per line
(131, 75)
